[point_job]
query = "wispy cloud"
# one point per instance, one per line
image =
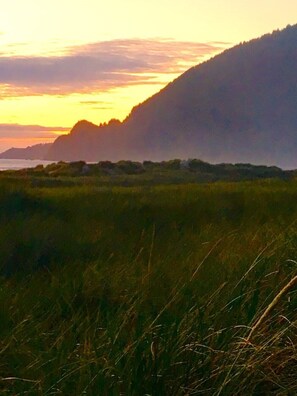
(99, 66)
(97, 104)
(17, 131)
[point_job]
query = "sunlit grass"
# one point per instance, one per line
(148, 290)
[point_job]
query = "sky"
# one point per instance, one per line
(66, 60)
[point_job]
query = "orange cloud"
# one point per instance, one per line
(16, 135)
(17, 131)
(100, 66)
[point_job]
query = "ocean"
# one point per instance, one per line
(15, 164)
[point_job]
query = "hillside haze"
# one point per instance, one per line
(38, 151)
(239, 106)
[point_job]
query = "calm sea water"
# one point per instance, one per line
(15, 164)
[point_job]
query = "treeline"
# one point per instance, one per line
(188, 167)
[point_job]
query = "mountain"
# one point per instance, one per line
(240, 106)
(38, 151)
(89, 142)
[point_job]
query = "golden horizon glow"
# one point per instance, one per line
(136, 48)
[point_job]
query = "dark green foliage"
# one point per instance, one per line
(130, 167)
(169, 172)
(146, 290)
(174, 164)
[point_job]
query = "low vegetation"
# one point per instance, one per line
(114, 284)
(136, 173)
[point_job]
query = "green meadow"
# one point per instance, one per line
(125, 286)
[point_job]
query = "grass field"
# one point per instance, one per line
(147, 289)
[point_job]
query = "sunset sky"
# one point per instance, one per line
(62, 61)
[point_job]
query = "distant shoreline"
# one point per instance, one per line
(17, 164)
